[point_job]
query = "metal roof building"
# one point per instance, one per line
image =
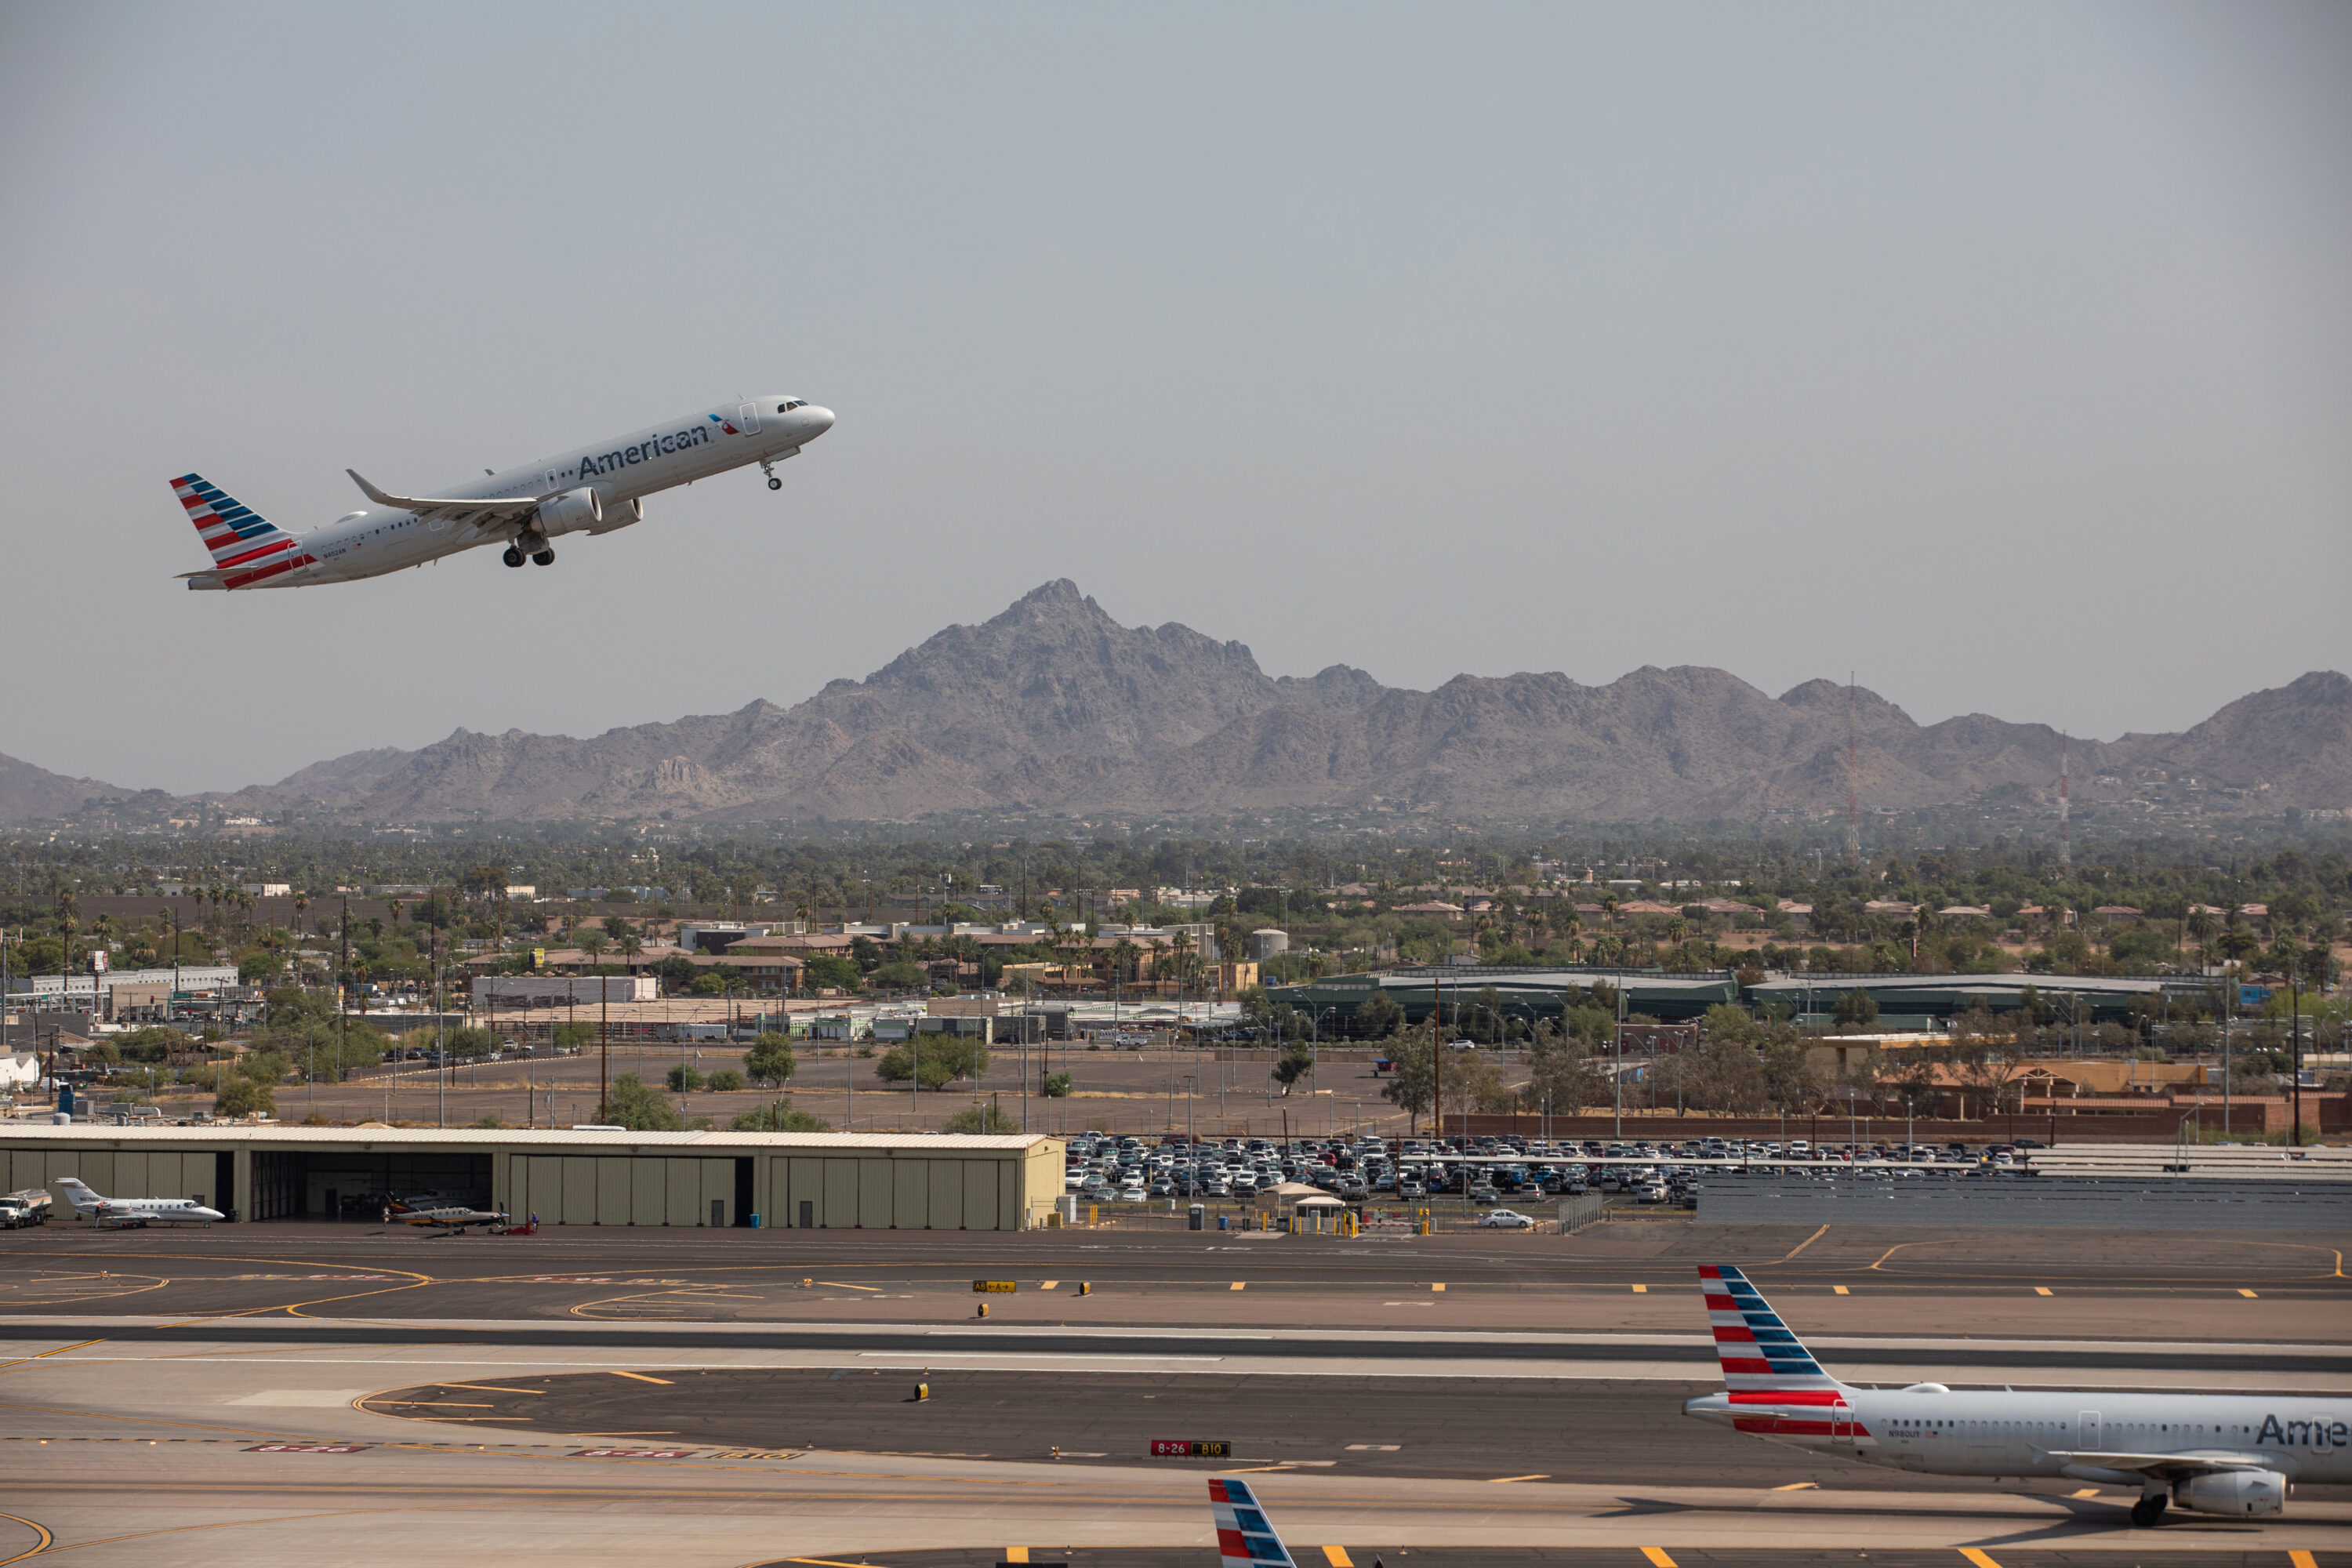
(796, 1180)
(1527, 994)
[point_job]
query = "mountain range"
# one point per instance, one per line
(1053, 706)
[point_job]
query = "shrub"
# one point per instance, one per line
(726, 1081)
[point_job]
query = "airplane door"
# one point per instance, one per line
(1841, 1422)
(2087, 1439)
(747, 419)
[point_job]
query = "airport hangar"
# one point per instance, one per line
(816, 1181)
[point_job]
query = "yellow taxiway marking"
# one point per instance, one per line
(1799, 1487)
(2249, 1295)
(1336, 1556)
(1806, 1243)
(843, 1285)
(488, 1388)
(1978, 1558)
(641, 1377)
(1048, 1285)
(1240, 1285)
(1840, 1290)
(1657, 1557)
(827, 1562)
(1505, 1481)
(2040, 1291)
(2295, 1559)
(2086, 1491)
(1439, 1285)
(34, 1551)
(1016, 1554)
(1641, 1289)
(438, 1403)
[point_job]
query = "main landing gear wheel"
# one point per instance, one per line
(543, 558)
(513, 557)
(2149, 1509)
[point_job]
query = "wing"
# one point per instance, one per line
(455, 508)
(2168, 1466)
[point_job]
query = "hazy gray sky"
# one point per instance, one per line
(2002, 354)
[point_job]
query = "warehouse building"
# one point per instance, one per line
(808, 1181)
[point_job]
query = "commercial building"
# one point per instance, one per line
(802, 1181)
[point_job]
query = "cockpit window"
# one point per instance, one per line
(790, 403)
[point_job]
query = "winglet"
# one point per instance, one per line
(369, 490)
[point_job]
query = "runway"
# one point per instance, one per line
(446, 1401)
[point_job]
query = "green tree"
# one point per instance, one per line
(900, 974)
(1411, 1088)
(571, 1037)
(726, 1081)
(980, 1118)
(1379, 1017)
(779, 1116)
(1857, 1009)
(262, 1066)
(241, 1096)
(1295, 1062)
(1056, 1085)
(831, 969)
(684, 1078)
(639, 1106)
(897, 1064)
(770, 1060)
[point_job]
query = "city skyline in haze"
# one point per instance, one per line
(1999, 354)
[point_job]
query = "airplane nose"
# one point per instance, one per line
(821, 419)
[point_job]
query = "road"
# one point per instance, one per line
(514, 1398)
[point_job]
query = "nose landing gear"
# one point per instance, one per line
(768, 467)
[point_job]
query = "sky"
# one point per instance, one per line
(2000, 354)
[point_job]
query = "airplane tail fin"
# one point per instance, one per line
(1245, 1537)
(1760, 1354)
(79, 1192)
(247, 547)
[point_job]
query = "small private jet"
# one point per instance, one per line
(112, 1212)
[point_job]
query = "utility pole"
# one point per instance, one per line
(2295, 1041)
(1437, 1050)
(2065, 845)
(604, 1047)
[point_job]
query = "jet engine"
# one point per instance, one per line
(2233, 1491)
(620, 514)
(573, 509)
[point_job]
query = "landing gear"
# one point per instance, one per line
(775, 483)
(768, 467)
(513, 557)
(2149, 1509)
(543, 557)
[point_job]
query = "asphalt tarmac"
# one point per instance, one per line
(316, 1392)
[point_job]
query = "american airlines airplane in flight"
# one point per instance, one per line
(2210, 1453)
(594, 490)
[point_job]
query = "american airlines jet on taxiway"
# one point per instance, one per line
(2210, 1453)
(594, 490)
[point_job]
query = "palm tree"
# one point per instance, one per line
(302, 909)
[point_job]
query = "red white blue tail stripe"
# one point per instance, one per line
(1245, 1538)
(247, 547)
(1757, 1350)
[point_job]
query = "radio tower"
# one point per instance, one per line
(1853, 781)
(2066, 848)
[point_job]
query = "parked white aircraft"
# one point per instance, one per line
(451, 1217)
(2210, 1453)
(134, 1210)
(594, 490)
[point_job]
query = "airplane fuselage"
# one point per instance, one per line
(1979, 1432)
(592, 490)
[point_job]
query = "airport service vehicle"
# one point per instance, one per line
(115, 1212)
(1245, 1537)
(1506, 1219)
(30, 1206)
(2234, 1454)
(452, 1218)
(592, 490)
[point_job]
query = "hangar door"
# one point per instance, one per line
(624, 1190)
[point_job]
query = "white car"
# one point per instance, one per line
(1506, 1219)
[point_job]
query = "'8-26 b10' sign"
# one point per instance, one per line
(1169, 1448)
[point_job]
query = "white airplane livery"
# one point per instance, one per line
(594, 490)
(2210, 1453)
(134, 1210)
